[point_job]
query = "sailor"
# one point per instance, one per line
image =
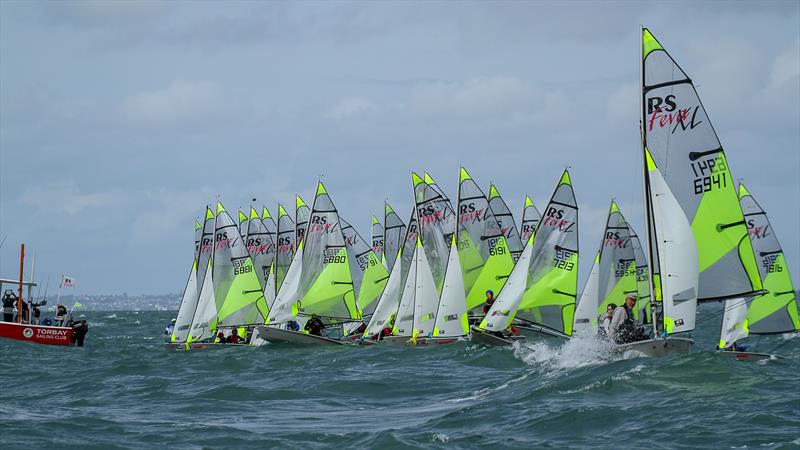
(292, 325)
(61, 314)
(234, 337)
(604, 321)
(622, 328)
(170, 328)
(314, 326)
(221, 337)
(9, 299)
(489, 301)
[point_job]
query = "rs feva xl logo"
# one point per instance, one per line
(664, 111)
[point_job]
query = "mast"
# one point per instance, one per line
(21, 270)
(649, 232)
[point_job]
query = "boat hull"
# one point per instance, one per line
(279, 336)
(482, 337)
(419, 342)
(534, 332)
(657, 348)
(38, 334)
(199, 346)
(749, 356)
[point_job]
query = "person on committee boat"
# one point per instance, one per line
(9, 301)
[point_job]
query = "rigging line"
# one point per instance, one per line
(722, 311)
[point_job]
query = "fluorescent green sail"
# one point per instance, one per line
(237, 288)
(776, 310)
(325, 295)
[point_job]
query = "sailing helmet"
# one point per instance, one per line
(490, 292)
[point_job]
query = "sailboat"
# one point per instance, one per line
(530, 220)
(260, 245)
(318, 283)
(769, 313)
(506, 221)
(483, 251)
(188, 303)
(377, 239)
(695, 231)
(394, 232)
(539, 296)
(613, 274)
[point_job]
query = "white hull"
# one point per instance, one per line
(279, 336)
(656, 348)
(199, 346)
(423, 341)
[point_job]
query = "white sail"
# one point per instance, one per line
(426, 296)
(451, 316)
(281, 311)
(204, 322)
(586, 310)
(404, 319)
(269, 288)
(187, 309)
(734, 322)
(388, 303)
(501, 313)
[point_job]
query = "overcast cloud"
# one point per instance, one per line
(120, 120)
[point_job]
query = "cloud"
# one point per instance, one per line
(476, 96)
(786, 66)
(180, 102)
(64, 197)
(350, 106)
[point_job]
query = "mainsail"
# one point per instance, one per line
(772, 312)
(506, 221)
(542, 288)
(688, 187)
(437, 223)
(286, 245)
(482, 248)
(377, 239)
(238, 290)
(369, 275)
(613, 276)
(393, 234)
(319, 281)
(190, 294)
(301, 213)
(530, 220)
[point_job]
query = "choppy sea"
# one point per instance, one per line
(123, 390)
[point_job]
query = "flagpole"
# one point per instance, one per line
(58, 296)
(21, 270)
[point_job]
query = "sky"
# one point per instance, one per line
(120, 120)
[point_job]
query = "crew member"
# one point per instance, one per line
(170, 328)
(9, 300)
(622, 328)
(605, 321)
(489, 301)
(314, 326)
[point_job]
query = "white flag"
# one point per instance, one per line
(67, 281)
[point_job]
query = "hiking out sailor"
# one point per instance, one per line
(314, 326)
(622, 328)
(604, 321)
(292, 325)
(170, 328)
(489, 301)
(9, 300)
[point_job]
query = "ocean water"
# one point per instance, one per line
(123, 390)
